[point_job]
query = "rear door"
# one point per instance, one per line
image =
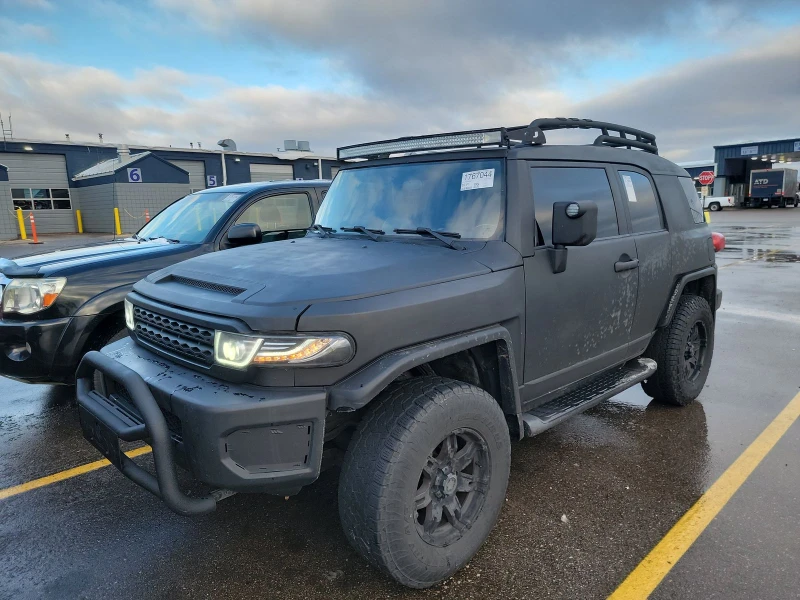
(648, 228)
(578, 322)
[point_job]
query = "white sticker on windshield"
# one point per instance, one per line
(474, 180)
(629, 188)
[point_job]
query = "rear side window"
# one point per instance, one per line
(642, 203)
(695, 203)
(568, 184)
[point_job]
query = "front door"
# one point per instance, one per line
(577, 322)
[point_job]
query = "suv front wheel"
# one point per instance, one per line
(683, 352)
(424, 478)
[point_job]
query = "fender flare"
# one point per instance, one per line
(360, 388)
(672, 305)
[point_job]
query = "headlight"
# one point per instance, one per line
(128, 313)
(240, 351)
(27, 296)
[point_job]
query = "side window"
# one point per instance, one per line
(695, 203)
(279, 213)
(573, 184)
(642, 203)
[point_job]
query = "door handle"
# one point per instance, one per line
(626, 265)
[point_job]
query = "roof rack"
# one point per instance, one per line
(526, 135)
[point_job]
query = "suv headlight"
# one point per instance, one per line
(28, 296)
(240, 351)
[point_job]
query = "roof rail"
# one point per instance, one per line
(532, 134)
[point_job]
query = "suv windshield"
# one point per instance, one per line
(462, 196)
(191, 218)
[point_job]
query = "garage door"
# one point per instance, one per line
(271, 172)
(196, 170)
(39, 183)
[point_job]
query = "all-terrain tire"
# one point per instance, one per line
(388, 460)
(675, 382)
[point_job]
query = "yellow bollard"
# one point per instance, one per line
(80, 221)
(116, 222)
(21, 223)
(707, 216)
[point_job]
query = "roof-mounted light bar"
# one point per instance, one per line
(443, 141)
(611, 135)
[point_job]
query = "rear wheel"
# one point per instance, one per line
(683, 351)
(714, 206)
(424, 478)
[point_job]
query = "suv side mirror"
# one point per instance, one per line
(244, 234)
(574, 224)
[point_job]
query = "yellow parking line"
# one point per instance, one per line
(69, 473)
(644, 579)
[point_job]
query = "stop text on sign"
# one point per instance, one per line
(706, 178)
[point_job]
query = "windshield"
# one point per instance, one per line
(191, 218)
(465, 196)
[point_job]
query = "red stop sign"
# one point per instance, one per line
(706, 178)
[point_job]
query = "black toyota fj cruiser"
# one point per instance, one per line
(457, 292)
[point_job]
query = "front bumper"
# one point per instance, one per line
(28, 349)
(231, 436)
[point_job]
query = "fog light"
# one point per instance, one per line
(573, 210)
(19, 353)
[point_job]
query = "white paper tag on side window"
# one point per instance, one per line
(629, 188)
(474, 180)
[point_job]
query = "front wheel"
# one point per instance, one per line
(424, 478)
(683, 351)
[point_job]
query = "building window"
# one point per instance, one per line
(41, 198)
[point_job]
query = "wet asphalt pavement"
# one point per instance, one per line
(622, 474)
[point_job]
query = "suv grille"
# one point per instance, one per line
(192, 342)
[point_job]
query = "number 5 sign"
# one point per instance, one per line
(212, 180)
(135, 175)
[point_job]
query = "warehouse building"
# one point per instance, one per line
(734, 162)
(51, 180)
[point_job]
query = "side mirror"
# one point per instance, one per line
(244, 234)
(574, 224)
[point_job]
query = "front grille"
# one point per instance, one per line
(192, 342)
(208, 285)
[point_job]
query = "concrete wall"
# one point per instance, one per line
(133, 198)
(97, 207)
(8, 220)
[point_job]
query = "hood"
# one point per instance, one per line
(64, 262)
(313, 269)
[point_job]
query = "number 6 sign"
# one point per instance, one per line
(135, 175)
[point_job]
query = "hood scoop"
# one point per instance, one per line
(222, 288)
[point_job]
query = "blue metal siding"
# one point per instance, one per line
(80, 157)
(770, 148)
(3, 173)
(154, 169)
(695, 171)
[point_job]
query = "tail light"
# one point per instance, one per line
(719, 241)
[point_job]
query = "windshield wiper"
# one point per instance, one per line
(161, 237)
(321, 229)
(439, 235)
(372, 233)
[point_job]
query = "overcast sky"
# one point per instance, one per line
(170, 72)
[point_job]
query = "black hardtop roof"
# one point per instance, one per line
(258, 186)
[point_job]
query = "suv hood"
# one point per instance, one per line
(62, 262)
(313, 269)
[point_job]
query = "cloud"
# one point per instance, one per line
(746, 94)
(30, 4)
(15, 32)
(433, 50)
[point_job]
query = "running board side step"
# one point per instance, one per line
(585, 397)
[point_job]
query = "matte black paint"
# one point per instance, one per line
(404, 298)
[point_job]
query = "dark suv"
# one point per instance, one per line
(457, 292)
(56, 306)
